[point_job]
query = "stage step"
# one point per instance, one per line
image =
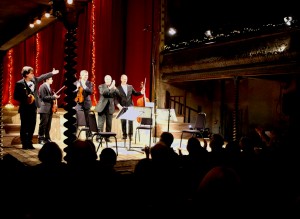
(174, 127)
(12, 129)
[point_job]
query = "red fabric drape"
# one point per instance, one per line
(118, 44)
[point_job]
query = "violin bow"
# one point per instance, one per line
(59, 90)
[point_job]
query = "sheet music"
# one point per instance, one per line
(130, 114)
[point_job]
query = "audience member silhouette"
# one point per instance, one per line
(219, 193)
(48, 178)
(194, 165)
(84, 180)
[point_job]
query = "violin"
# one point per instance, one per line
(30, 99)
(142, 100)
(54, 106)
(79, 98)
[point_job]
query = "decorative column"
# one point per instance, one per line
(69, 14)
(235, 116)
(2, 54)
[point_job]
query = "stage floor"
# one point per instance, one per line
(126, 160)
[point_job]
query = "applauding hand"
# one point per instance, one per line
(54, 71)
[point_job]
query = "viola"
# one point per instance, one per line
(54, 106)
(142, 100)
(79, 98)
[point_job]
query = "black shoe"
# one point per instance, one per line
(40, 141)
(124, 137)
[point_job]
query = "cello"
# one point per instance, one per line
(142, 100)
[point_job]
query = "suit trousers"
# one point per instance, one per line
(105, 117)
(28, 122)
(124, 127)
(45, 125)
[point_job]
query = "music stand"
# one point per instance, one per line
(166, 115)
(129, 113)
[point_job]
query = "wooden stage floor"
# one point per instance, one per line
(126, 159)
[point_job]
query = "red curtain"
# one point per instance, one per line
(111, 40)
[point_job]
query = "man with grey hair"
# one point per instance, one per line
(106, 104)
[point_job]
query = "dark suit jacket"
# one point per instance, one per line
(87, 103)
(126, 100)
(21, 92)
(106, 95)
(46, 99)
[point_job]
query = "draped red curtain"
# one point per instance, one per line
(110, 40)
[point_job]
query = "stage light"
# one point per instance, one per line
(38, 21)
(172, 31)
(288, 20)
(208, 34)
(47, 14)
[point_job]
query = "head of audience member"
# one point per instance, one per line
(160, 152)
(80, 152)
(108, 157)
(50, 153)
(167, 138)
(246, 144)
(194, 147)
(219, 189)
(216, 143)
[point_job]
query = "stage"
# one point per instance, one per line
(126, 153)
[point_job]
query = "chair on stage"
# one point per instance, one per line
(145, 124)
(198, 128)
(94, 131)
(81, 123)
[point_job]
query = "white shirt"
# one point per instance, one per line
(30, 84)
(125, 89)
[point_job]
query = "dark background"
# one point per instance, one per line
(192, 18)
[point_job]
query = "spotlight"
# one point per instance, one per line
(38, 21)
(70, 2)
(208, 34)
(288, 20)
(47, 14)
(172, 31)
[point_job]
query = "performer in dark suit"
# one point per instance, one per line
(85, 87)
(106, 105)
(26, 93)
(125, 100)
(45, 111)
